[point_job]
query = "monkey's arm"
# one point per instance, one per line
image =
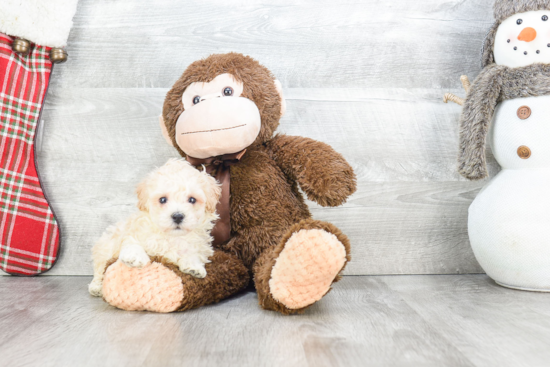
(323, 174)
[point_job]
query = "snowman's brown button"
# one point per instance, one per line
(524, 112)
(524, 152)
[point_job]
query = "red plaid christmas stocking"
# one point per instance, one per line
(29, 234)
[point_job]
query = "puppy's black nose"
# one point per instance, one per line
(178, 218)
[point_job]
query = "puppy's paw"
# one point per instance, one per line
(134, 256)
(96, 288)
(194, 269)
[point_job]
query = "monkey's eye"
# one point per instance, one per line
(192, 200)
(228, 91)
(519, 21)
(196, 99)
(163, 200)
(545, 18)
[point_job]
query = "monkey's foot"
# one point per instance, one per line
(151, 288)
(306, 268)
(161, 287)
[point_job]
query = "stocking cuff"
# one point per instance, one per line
(44, 22)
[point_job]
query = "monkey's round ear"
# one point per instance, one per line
(279, 88)
(165, 131)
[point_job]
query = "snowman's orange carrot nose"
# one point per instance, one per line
(527, 35)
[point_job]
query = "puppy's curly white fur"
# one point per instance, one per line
(177, 206)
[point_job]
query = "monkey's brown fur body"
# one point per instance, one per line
(266, 205)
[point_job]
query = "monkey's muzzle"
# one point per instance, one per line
(218, 126)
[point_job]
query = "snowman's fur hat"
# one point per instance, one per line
(506, 8)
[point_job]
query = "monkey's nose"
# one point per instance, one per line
(178, 218)
(527, 35)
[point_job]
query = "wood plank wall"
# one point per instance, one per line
(364, 76)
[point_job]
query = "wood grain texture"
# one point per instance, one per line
(464, 320)
(306, 43)
(493, 326)
(365, 77)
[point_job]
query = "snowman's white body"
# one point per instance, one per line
(509, 221)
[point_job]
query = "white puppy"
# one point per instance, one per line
(177, 206)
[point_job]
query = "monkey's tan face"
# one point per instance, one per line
(217, 119)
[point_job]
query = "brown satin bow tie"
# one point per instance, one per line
(220, 168)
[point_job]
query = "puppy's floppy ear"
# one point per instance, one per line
(143, 194)
(212, 190)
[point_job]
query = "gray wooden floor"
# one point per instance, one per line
(444, 320)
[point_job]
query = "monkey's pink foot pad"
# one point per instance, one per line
(305, 269)
(152, 288)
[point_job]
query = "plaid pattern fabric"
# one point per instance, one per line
(29, 234)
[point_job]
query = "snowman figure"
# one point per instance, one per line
(508, 105)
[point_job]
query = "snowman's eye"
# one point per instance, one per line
(545, 18)
(519, 21)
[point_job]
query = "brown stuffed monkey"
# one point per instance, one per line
(222, 115)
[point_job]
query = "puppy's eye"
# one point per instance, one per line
(192, 200)
(544, 18)
(163, 200)
(196, 99)
(228, 91)
(519, 21)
